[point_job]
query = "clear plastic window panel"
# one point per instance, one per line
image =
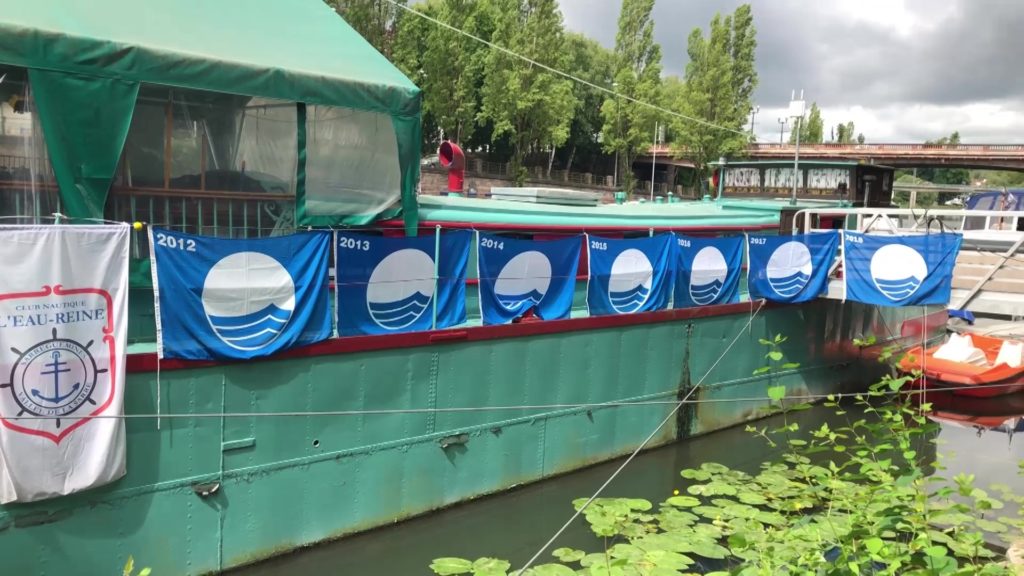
(352, 164)
(28, 189)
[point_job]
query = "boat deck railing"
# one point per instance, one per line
(989, 273)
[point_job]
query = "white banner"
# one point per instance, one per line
(63, 325)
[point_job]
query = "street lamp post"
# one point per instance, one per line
(658, 137)
(618, 133)
(753, 115)
(782, 127)
(796, 110)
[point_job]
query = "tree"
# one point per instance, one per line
(447, 67)
(594, 63)
(860, 139)
(720, 78)
(528, 104)
(812, 127)
(628, 126)
(956, 176)
(374, 20)
(844, 133)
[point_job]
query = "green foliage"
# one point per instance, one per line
(628, 127)
(374, 20)
(129, 569)
(812, 127)
(844, 134)
(946, 175)
(720, 78)
(594, 63)
(447, 67)
(529, 105)
(866, 497)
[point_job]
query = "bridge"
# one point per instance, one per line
(983, 156)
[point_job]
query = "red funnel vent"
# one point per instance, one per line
(452, 159)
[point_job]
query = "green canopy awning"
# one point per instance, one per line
(297, 50)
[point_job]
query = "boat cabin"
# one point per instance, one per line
(852, 183)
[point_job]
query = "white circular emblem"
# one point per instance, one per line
(525, 278)
(630, 284)
(898, 271)
(789, 269)
(248, 298)
(707, 275)
(400, 288)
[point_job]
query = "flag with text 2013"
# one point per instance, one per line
(391, 285)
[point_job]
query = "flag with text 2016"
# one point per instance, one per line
(631, 275)
(63, 326)
(236, 299)
(790, 269)
(519, 275)
(900, 270)
(707, 271)
(388, 285)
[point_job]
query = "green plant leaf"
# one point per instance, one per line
(776, 393)
(451, 566)
(935, 551)
(775, 355)
(129, 567)
(874, 545)
(145, 572)
(490, 567)
(568, 554)
(683, 501)
(550, 570)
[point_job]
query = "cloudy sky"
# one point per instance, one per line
(902, 70)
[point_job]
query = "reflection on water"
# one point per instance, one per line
(515, 524)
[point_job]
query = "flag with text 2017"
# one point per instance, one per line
(790, 269)
(63, 325)
(235, 299)
(519, 275)
(900, 270)
(707, 271)
(627, 276)
(387, 285)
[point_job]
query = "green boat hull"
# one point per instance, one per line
(286, 481)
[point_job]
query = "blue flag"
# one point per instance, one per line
(387, 285)
(629, 276)
(517, 275)
(790, 268)
(900, 270)
(236, 299)
(707, 271)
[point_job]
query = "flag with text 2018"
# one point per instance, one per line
(627, 276)
(235, 299)
(707, 271)
(900, 270)
(519, 275)
(790, 269)
(63, 325)
(387, 285)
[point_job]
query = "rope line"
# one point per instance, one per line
(642, 445)
(566, 75)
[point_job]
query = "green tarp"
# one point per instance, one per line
(296, 50)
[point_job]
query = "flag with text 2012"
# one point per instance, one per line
(63, 325)
(629, 275)
(900, 270)
(235, 299)
(519, 275)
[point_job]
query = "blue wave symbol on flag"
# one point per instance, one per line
(630, 300)
(789, 285)
(706, 293)
(254, 330)
(512, 301)
(898, 289)
(399, 314)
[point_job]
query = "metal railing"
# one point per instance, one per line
(911, 220)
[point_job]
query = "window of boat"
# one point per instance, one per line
(28, 189)
(208, 163)
(351, 162)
